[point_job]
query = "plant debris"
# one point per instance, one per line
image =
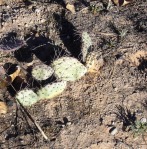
(122, 2)
(3, 108)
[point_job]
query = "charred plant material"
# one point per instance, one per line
(11, 43)
(125, 116)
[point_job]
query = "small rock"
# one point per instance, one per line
(68, 123)
(143, 120)
(63, 126)
(42, 20)
(113, 131)
(71, 8)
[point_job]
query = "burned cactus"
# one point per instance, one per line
(11, 43)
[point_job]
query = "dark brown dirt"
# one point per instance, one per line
(81, 118)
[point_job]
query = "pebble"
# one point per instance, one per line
(68, 123)
(143, 120)
(113, 131)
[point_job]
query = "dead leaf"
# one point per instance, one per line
(71, 8)
(30, 64)
(23, 75)
(5, 80)
(15, 74)
(121, 2)
(3, 108)
(126, 2)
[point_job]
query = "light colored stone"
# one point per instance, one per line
(143, 120)
(113, 131)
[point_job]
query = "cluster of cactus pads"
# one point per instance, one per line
(64, 69)
(28, 97)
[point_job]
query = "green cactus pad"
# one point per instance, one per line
(42, 72)
(27, 97)
(68, 69)
(52, 90)
(87, 43)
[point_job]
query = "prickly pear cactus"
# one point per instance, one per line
(87, 43)
(42, 72)
(68, 69)
(27, 97)
(52, 90)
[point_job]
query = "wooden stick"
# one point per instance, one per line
(34, 121)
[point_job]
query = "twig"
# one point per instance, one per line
(34, 121)
(39, 46)
(42, 46)
(106, 34)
